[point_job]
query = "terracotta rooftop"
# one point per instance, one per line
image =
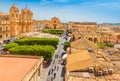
(79, 61)
(14, 68)
(83, 44)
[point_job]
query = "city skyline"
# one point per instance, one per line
(69, 10)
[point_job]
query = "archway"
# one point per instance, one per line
(54, 25)
(90, 39)
(109, 41)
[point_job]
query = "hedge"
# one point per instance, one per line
(38, 41)
(46, 51)
(10, 45)
(55, 31)
(66, 45)
(101, 45)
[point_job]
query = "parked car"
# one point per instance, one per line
(3, 51)
(6, 41)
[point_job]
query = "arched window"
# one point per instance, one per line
(54, 21)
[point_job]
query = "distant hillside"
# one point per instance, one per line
(114, 24)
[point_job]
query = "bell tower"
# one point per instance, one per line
(14, 21)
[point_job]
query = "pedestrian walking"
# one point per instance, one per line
(55, 67)
(54, 75)
(57, 56)
(49, 72)
(52, 71)
(66, 39)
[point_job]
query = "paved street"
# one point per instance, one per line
(55, 68)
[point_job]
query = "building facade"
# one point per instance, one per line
(4, 26)
(86, 64)
(83, 26)
(94, 32)
(20, 68)
(20, 22)
(54, 23)
(15, 23)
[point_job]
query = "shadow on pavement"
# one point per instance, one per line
(47, 64)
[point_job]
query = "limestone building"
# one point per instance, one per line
(93, 32)
(83, 26)
(4, 26)
(20, 68)
(20, 22)
(15, 22)
(54, 23)
(86, 64)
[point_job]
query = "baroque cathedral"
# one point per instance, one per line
(20, 22)
(15, 22)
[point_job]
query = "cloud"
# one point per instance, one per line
(53, 1)
(45, 2)
(60, 0)
(96, 12)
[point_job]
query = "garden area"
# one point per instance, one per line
(33, 46)
(54, 31)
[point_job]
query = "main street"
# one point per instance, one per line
(55, 68)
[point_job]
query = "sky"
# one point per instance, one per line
(99, 11)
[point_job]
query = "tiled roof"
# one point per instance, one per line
(79, 61)
(83, 44)
(14, 68)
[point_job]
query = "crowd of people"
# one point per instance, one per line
(55, 67)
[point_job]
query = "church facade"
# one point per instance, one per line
(54, 23)
(4, 27)
(15, 23)
(20, 22)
